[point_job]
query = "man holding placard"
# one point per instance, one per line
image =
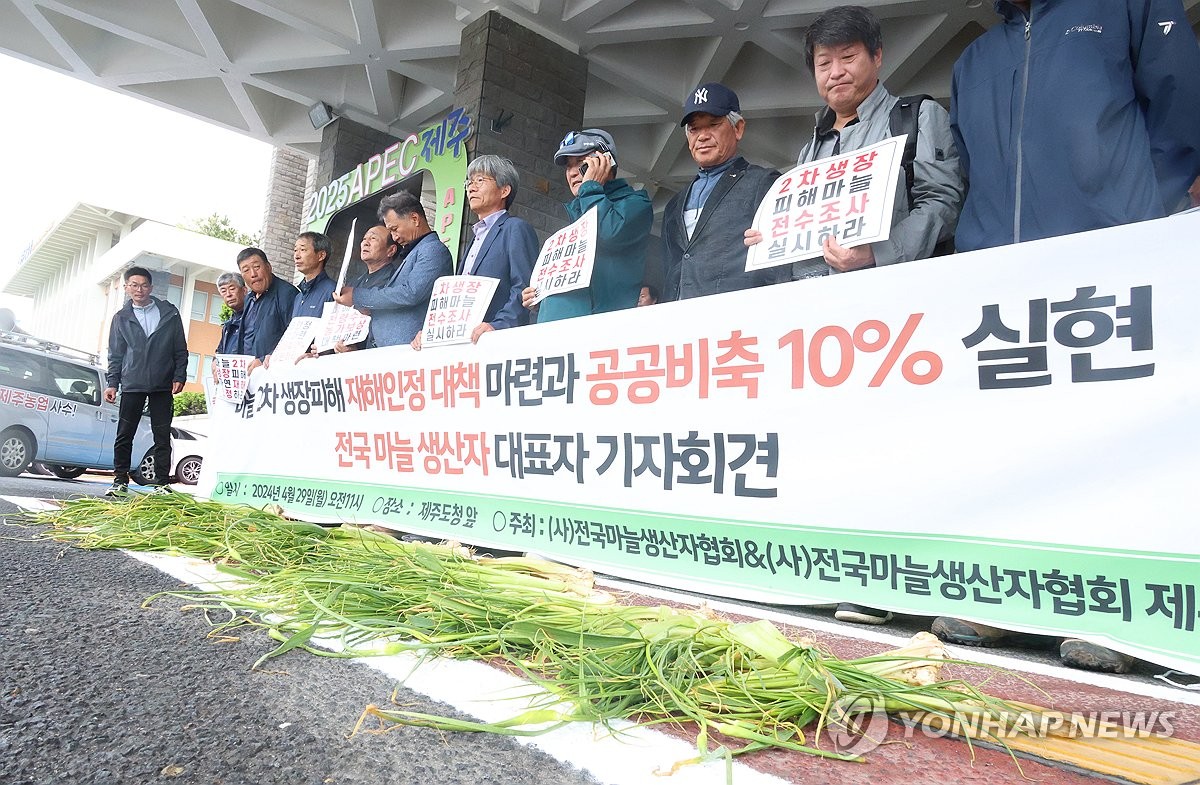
(311, 253)
(623, 219)
(844, 52)
(232, 289)
(702, 224)
(269, 306)
(504, 247)
(378, 252)
(397, 310)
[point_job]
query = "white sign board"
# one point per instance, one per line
(457, 305)
(566, 259)
(847, 197)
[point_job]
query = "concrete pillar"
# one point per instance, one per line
(190, 276)
(284, 210)
(523, 92)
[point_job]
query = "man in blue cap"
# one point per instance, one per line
(703, 225)
(623, 219)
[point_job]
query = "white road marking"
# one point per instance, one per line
(29, 503)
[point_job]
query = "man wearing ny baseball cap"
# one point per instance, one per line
(703, 224)
(624, 216)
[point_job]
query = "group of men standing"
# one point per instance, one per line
(1065, 117)
(404, 258)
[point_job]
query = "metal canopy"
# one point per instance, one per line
(255, 66)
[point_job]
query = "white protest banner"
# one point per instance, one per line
(341, 323)
(457, 305)
(566, 259)
(295, 341)
(848, 197)
(230, 374)
(1010, 436)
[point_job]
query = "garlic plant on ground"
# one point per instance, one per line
(599, 660)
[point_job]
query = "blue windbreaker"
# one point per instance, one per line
(1084, 115)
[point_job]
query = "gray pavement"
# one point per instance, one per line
(96, 689)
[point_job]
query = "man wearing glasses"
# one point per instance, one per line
(147, 362)
(505, 247)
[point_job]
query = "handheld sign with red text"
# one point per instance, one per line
(847, 197)
(341, 323)
(458, 304)
(230, 375)
(566, 259)
(296, 340)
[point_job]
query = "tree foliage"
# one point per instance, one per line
(219, 226)
(190, 403)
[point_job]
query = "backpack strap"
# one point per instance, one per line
(903, 120)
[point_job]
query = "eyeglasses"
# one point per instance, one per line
(478, 181)
(131, 285)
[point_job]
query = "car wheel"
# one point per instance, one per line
(144, 473)
(188, 470)
(66, 472)
(16, 452)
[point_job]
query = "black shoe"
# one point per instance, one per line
(117, 490)
(966, 633)
(1091, 657)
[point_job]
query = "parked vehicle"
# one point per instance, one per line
(52, 409)
(187, 455)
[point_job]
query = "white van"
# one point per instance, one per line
(52, 409)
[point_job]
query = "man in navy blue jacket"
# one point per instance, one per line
(269, 306)
(1073, 115)
(311, 253)
(505, 247)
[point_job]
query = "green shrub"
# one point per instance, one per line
(190, 403)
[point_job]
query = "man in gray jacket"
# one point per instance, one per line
(147, 361)
(844, 52)
(398, 309)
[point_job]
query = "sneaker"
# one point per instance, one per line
(861, 614)
(160, 490)
(1091, 657)
(967, 633)
(117, 489)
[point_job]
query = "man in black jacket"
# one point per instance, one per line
(147, 361)
(703, 224)
(268, 305)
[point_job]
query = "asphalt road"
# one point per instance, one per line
(96, 689)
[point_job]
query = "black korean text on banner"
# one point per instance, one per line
(565, 262)
(846, 197)
(457, 305)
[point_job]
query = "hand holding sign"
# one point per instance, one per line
(834, 207)
(458, 303)
(566, 260)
